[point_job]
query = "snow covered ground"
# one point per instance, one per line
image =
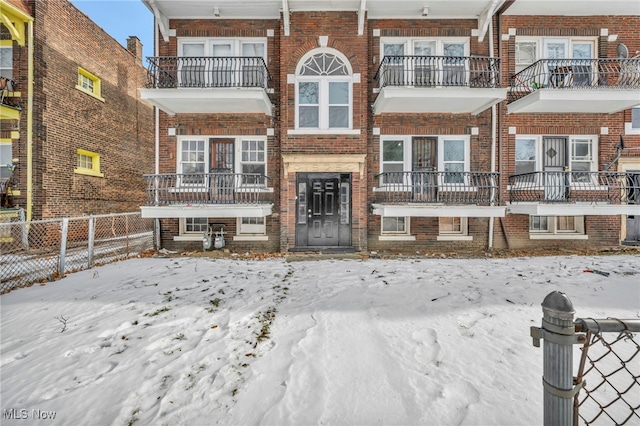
(191, 341)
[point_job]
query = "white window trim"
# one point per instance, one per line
(261, 229)
(463, 235)
(187, 236)
(207, 153)
(397, 236)
(407, 141)
(209, 42)
(552, 232)
(628, 129)
(539, 155)
(409, 44)
(323, 100)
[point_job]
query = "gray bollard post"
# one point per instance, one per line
(559, 337)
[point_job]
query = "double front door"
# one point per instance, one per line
(323, 210)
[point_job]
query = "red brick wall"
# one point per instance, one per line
(65, 119)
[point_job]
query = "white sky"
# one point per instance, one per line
(191, 341)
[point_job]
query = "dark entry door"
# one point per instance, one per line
(424, 165)
(222, 167)
(633, 197)
(556, 180)
(323, 217)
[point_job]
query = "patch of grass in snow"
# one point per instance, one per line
(215, 303)
(180, 336)
(266, 319)
(133, 418)
(158, 311)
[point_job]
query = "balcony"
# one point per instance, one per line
(433, 194)
(179, 85)
(574, 193)
(207, 195)
(9, 105)
(430, 84)
(576, 86)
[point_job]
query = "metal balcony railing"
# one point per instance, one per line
(439, 187)
(575, 74)
(439, 71)
(207, 188)
(569, 187)
(171, 72)
(7, 87)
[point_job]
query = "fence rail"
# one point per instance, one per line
(439, 71)
(36, 251)
(207, 188)
(606, 388)
(171, 72)
(572, 186)
(568, 74)
(439, 187)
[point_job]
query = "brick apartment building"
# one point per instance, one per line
(405, 126)
(75, 136)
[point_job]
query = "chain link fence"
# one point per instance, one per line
(606, 388)
(610, 372)
(45, 250)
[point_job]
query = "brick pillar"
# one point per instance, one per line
(135, 46)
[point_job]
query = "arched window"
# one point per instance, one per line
(323, 91)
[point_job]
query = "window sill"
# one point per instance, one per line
(323, 131)
(454, 238)
(543, 236)
(396, 238)
(250, 238)
(187, 237)
(88, 172)
(100, 98)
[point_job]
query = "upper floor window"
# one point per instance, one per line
(222, 62)
(567, 60)
(324, 92)
(89, 83)
(633, 127)
(6, 59)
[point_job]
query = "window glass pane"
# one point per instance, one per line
(582, 50)
(308, 92)
(394, 49)
(526, 52)
(324, 64)
(196, 224)
(581, 150)
(219, 50)
(556, 50)
(538, 223)
(525, 156)
(635, 118)
(338, 117)
(454, 167)
(338, 93)
(253, 49)
(393, 224)
(424, 48)
(6, 61)
(450, 225)
(453, 49)
(566, 223)
(309, 117)
(392, 151)
(255, 168)
(193, 49)
(453, 150)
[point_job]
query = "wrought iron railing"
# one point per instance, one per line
(575, 74)
(207, 188)
(439, 187)
(439, 71)
(572, 186)
(171, 72)
(7, 86)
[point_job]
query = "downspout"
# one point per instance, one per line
(493, 137)
(30, 51)
(156, 110)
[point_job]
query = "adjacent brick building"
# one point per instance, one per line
(369, 125)
(77, 132)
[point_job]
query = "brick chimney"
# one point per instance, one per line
(135, 46)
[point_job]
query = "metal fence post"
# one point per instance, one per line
(63, 245)
(91, 237)
(559, 337)
(25, 231)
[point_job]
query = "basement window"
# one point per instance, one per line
(556, 227)
(88, 163)
(89, 83)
